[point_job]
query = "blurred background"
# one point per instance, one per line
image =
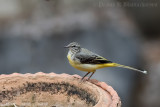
(34, 32)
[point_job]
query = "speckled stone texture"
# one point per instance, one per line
(55, 90)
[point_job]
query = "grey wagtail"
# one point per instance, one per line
(85, 60)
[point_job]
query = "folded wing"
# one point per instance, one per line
(92, 59)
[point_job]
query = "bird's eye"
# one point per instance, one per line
(73, 46)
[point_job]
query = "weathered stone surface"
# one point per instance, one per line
(56, 90)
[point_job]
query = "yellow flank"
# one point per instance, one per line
(88, 67)
(106, 65)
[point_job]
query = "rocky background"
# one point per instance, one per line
(33, 33)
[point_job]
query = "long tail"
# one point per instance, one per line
(127, 67)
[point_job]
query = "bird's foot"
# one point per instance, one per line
(84, 80)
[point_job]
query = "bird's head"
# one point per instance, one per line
(73, 46)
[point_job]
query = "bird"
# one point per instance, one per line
(87, 61)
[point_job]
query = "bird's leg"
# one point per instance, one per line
(85, 75)
(91, 75)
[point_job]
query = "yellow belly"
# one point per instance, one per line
(82, 67)
(88, 67)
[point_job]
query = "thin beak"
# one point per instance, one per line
(66, 46)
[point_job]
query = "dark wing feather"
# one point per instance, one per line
(92, 59)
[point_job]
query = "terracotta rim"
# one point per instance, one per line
(116, 102)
